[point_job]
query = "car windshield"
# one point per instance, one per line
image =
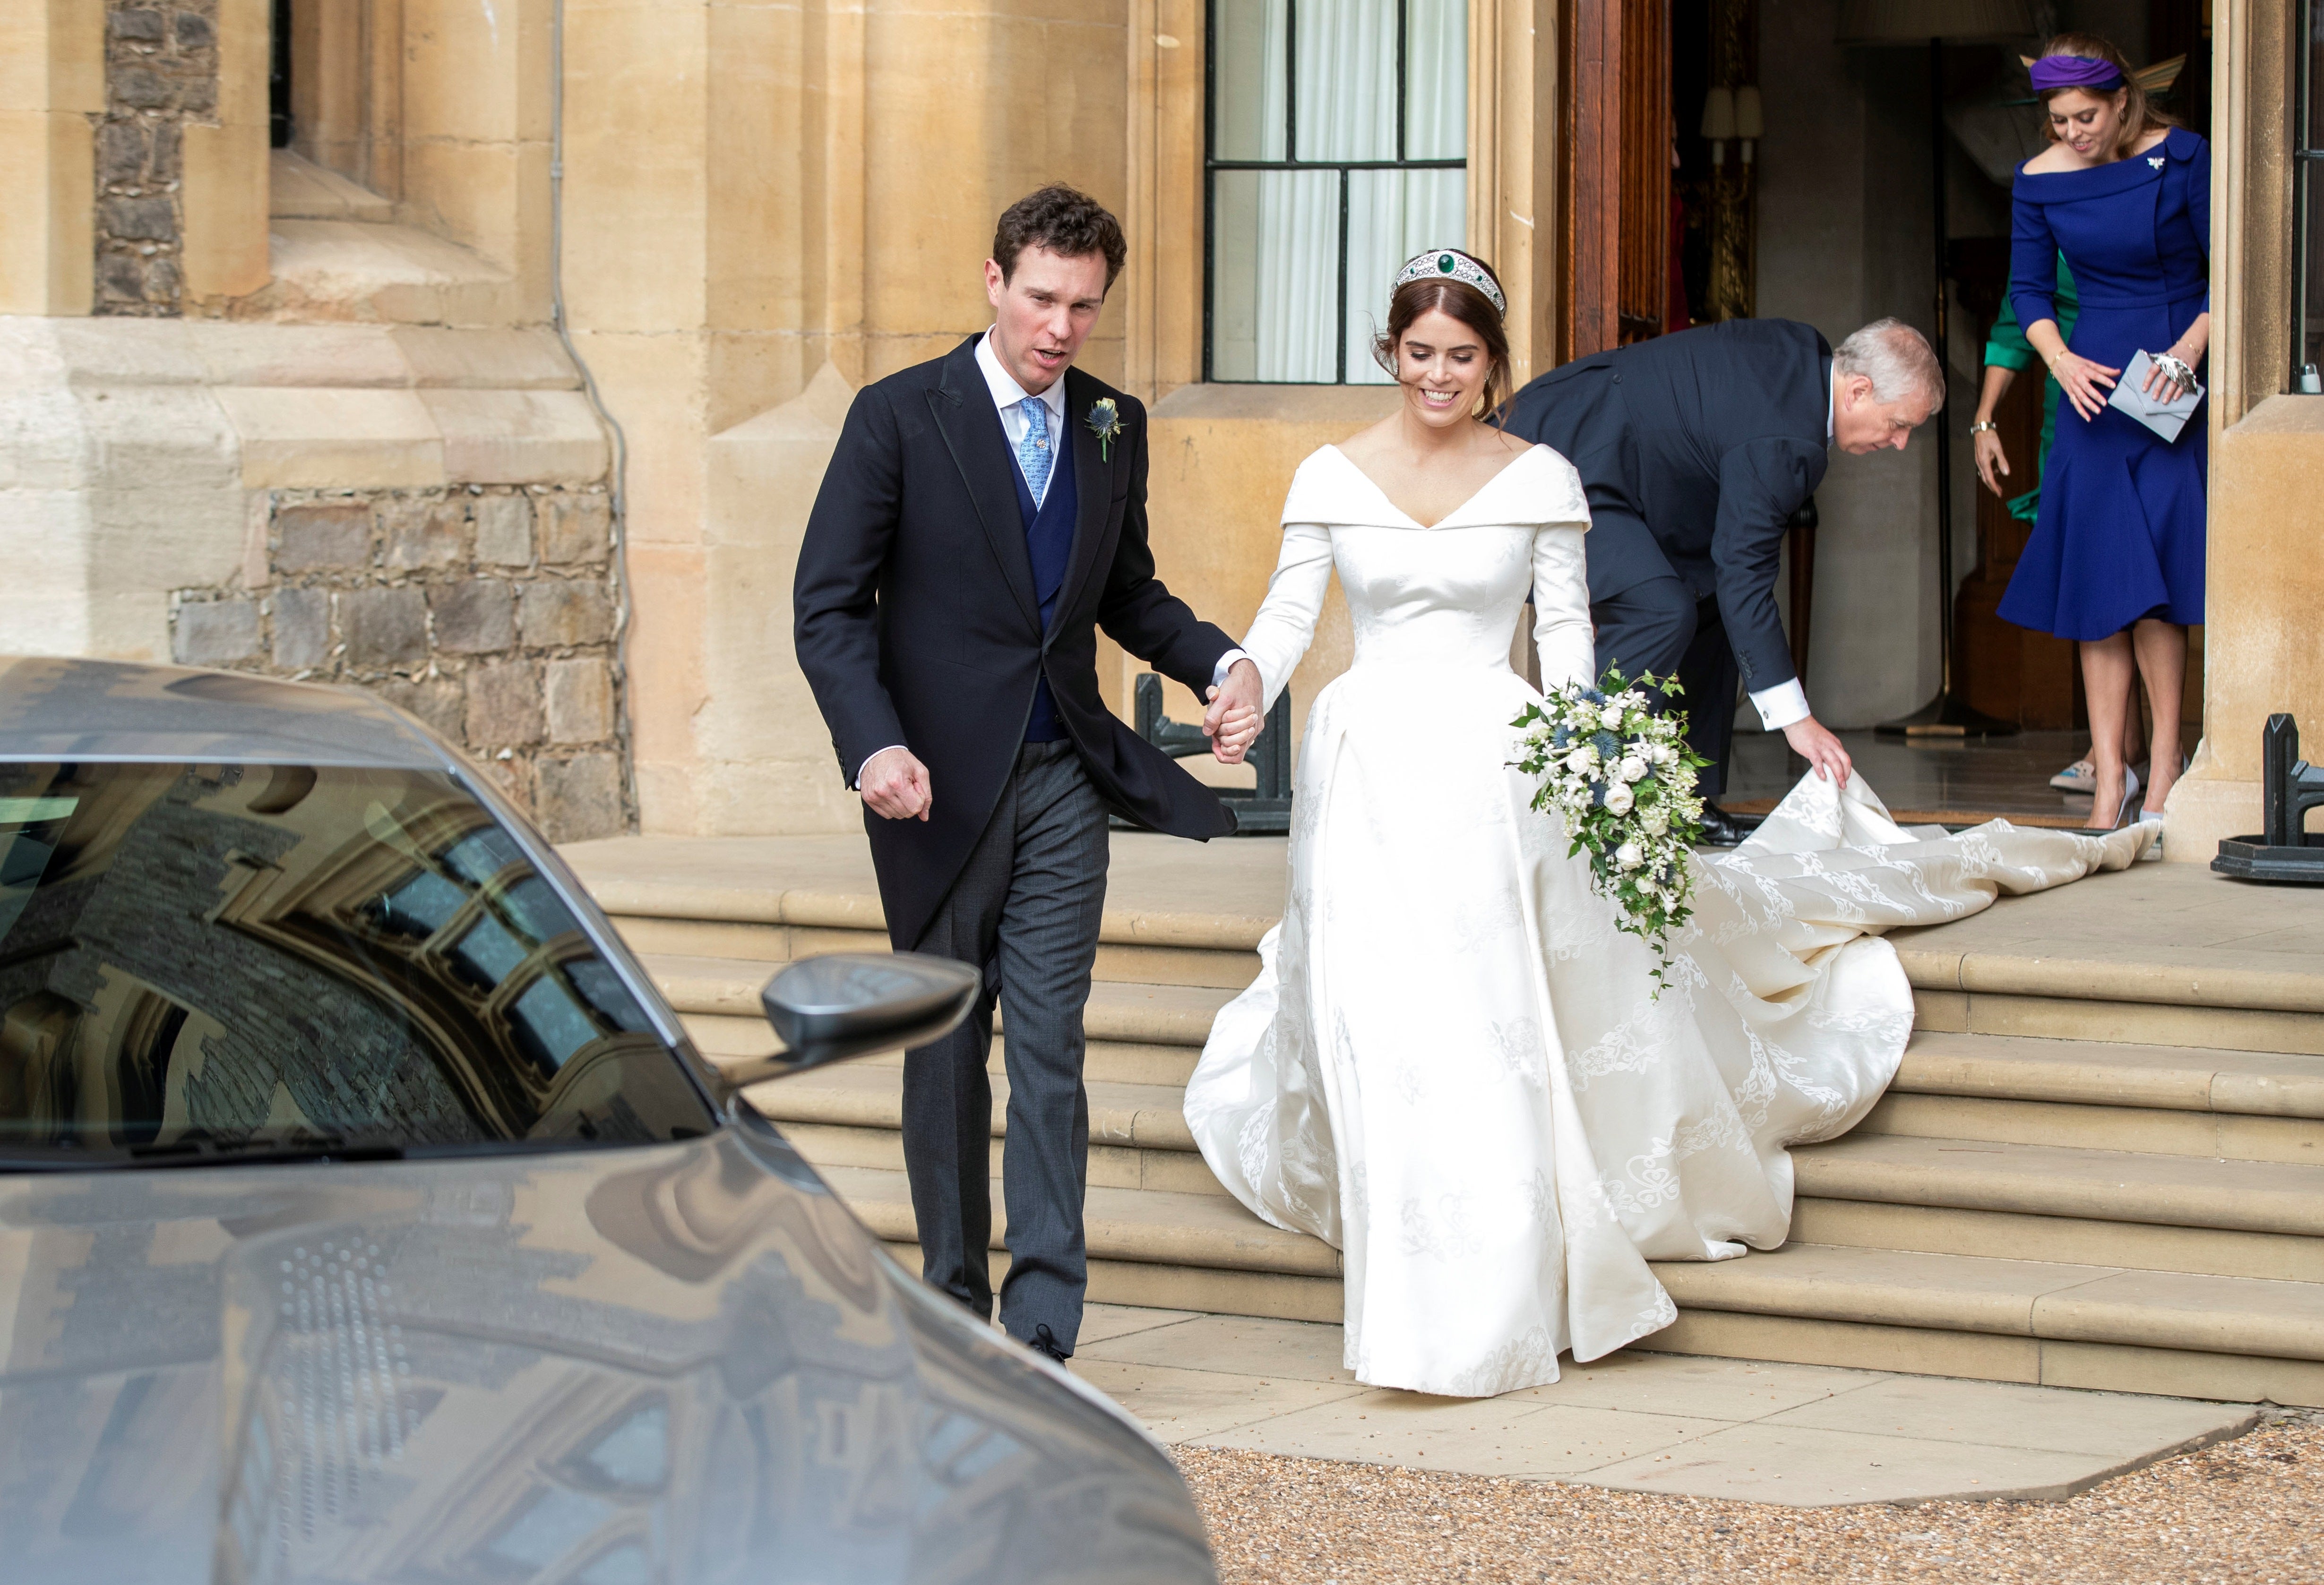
(218, 963)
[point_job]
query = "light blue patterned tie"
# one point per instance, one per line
(1033, 451)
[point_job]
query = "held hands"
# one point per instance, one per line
(1232, 720)
(1992, 462)
(1811, 741)
(895, 785)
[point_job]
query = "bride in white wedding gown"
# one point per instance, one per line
(1452, 1066)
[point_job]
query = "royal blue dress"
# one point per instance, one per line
(2120, 533)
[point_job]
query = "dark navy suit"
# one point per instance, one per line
(1694, 450)
(937, 607)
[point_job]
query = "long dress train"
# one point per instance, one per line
(1451, 1066)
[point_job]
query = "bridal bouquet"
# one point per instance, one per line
(1623, 780)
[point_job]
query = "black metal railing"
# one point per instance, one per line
(1261, 810)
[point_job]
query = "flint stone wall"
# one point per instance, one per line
(160, 72)
(487, 612)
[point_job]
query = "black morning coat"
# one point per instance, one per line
(1694, 450)
(916, 621)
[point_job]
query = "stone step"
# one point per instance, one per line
(854, 1118)
(2042, 1180)
(2253, 1106)
(2012, 1235)
(2090, 1072)
(2134, 1210)
(2156, 999)
(2081, 1126)
(2049, 1322)
(1996, 1319)
(1197, 1231)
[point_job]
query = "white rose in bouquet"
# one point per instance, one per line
(1619, 800)
(1666, 754)
(1611, 715)
(1632, 768)
(1582, 761)
(1655, 821)
(1629, 856)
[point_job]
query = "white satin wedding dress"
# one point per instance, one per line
(1451, 1066)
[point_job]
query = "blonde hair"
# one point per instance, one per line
(2139, 115)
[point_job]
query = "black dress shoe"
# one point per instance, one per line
(1721, 829)
(1045, 1341)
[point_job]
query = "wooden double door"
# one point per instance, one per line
(1615, 200)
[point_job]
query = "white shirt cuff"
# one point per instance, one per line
(857, 784)
(1225, 665)
(1782, 704)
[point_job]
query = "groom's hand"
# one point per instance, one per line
(895, 785)
(1232, 720)
(1813, 742)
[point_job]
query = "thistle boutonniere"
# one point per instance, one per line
(1105, 423)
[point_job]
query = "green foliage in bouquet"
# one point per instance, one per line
(1622, 779)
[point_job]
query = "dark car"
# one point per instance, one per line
(366, 1216)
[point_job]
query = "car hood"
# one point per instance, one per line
(680, 1363)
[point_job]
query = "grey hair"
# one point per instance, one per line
(1896, 359)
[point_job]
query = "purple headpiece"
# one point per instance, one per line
(2075, 71)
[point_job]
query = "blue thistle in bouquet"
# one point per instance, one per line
(1622, 779)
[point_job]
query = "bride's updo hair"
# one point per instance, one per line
(1465, 303)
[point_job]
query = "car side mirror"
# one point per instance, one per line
(849, 1004)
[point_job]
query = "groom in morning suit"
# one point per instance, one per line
(1694, 450)
(983, 515)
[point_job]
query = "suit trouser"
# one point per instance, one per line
(1025, 912)
(1658, 625)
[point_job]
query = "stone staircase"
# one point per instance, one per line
(2103, 1173)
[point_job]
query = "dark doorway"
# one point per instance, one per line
(278, 79)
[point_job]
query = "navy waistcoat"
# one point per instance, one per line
(1049, 542)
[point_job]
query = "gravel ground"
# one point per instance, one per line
(2250, 1509)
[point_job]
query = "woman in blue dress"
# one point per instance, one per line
(2116, 560)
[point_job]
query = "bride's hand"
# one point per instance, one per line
(1237, 732)
(1232, 720)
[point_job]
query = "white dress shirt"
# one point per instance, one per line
(1007, 395)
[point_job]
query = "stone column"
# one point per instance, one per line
(52, 81)
(2265, 583)
(754, 192)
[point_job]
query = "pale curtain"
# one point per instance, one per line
(1276, 233)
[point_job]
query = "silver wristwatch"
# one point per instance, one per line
(1983, 427)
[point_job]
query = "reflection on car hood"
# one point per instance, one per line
(674, 1364)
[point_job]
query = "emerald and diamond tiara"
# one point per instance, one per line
(1451, 263)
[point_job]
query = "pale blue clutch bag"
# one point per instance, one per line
(2166, 419)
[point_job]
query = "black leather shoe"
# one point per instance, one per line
(1045, 1341)
(1721, 829)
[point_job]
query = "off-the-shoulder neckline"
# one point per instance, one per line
(1474, 496)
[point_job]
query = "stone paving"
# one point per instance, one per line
(1796, 1435)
